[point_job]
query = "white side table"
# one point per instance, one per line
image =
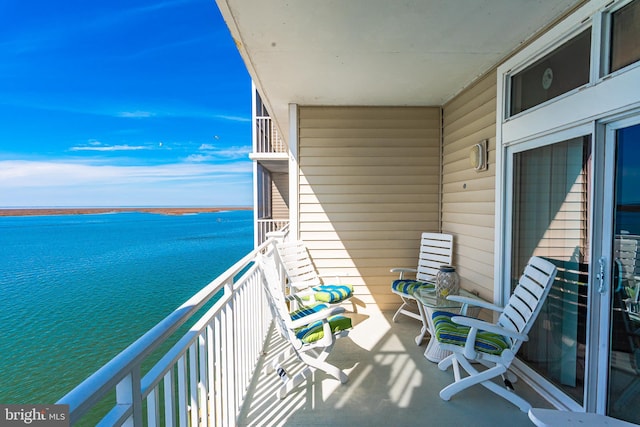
(428, 303)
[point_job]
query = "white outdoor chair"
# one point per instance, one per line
(436, 249)
(303, 280)
(310, 331)
(493, 345)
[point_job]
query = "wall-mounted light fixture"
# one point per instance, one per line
(478, 155)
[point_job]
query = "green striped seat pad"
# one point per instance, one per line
(451, 333)
(408, 287)
(332, 293)
(314, 331)
(307, 310)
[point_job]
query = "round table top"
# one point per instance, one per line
(428, 298)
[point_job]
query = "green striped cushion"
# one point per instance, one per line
(314, 332)
(451, 333)
(408, 287)
(307, 310)
(333, 293)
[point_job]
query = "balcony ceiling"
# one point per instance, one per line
(377, 52)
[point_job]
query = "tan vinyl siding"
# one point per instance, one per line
(468, 197)
(280, 196)
(368, 187)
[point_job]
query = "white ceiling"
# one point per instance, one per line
(377, 52)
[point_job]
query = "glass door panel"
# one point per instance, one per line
(551, 204)
(624, 358)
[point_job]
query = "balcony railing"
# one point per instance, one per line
(203, 378)
(266, 226)
(267, 137)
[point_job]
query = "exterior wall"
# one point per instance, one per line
(468, 197)
(280, 196)
(368, 187)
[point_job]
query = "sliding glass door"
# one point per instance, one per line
(623, 307)
(550, 209)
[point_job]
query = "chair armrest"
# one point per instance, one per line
(489, 327)
(403, 270)
(314, 317)
(475, 302)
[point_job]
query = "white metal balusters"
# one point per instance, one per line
(202, 379)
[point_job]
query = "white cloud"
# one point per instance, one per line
(97, 147)
(135, 114)
(212, 153)
(32, 183)
(233, 118)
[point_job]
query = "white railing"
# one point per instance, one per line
(267, 137)
(266, 226)
(203, 378)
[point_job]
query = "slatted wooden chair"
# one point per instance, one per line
(436, 249)
(303, 280)
(493, 346)
(311, 332)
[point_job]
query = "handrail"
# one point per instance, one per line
(123, 372)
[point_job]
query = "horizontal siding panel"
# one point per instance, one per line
(483, 182)
(414, 199)
(471, 196)
(380, 113)
(368, 186)
(481, 91)
(408, 237)
(369, 227)
(366, 170)
(482, 220)
(360, 208)
(468, 174)
(383, 160)
(403, 123)
(380, 190)
(371, 142)
(484, 101)
(481, 207)
(468, 230)
(364, 217)
(366, 133)
(479, 114)
(481, 123)
(381, 153)
(399, 179)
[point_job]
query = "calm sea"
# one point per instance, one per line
(76, 290)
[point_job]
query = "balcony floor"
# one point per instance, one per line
(390, 384)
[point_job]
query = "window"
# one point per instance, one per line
(562, 70)
(625, 36)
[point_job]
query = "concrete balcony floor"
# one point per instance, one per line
(390, 384)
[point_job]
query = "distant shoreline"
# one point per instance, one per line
(89, 211)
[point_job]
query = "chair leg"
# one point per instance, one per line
(483, 378)
(293, 382)
(400, 311)
(320, 363)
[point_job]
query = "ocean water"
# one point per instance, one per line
(76, 290)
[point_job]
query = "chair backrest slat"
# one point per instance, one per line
(297, 263)
(436, 249)
(528, 297)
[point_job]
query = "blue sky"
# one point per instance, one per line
(122, 103)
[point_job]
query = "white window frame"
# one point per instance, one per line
(581, 111)
(567, 111)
